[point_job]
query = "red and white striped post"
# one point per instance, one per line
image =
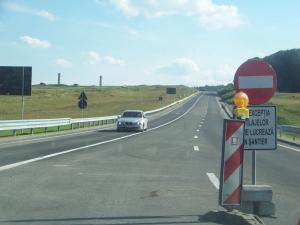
(231, 177)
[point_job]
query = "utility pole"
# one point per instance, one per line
(100, 81)
(58, 79)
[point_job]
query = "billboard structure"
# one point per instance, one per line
(171, 91)
(15, 80)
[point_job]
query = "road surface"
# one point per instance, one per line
(167, 175)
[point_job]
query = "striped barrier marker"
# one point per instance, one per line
(231, 177)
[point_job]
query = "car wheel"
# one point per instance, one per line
(142, 130)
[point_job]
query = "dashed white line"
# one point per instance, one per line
(195, 136)
(214, 180)
(197, 130)
(196, 148)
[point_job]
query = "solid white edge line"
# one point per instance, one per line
(13, 165)
(287, 147)
(214, 180)
(196, 148)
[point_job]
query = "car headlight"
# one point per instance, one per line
(119, 122)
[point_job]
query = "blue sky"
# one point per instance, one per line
(128, 42)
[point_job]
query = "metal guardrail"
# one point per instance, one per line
(289, 129)
(34, 123)
(14, 125)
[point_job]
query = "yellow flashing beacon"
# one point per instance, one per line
(241, 102)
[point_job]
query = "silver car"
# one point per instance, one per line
(132, 120)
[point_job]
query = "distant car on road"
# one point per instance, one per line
(132, 120)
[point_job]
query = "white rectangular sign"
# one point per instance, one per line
(260, 129)
(248, 82)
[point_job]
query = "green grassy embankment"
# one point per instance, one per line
(62, 101)
(53, 101)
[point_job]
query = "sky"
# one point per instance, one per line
(131, 42)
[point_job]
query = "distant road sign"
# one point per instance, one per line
(231, 177)
(257, 79)
(171, 91)
(12, 81)
(260, 129)
(82, 104)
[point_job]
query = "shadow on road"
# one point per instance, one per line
(126, 220)
(115, 131)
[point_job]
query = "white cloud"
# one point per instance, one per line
(35, 42)
(180, 67)
(47, 15)
(221, 74)
(211, 16)
(112, 60)
(95, 57)
(126, 7)
(63, 63)
(14, 7)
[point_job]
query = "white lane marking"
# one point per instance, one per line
(13, 165)
(197, 130)
(287, 147)
(200, 125)
(196, 148)
(221, 109)
(53, 137)
(214, 179)
(196, 136)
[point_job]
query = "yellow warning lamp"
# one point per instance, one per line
(241, 101)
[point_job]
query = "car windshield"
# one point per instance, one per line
(132, 114)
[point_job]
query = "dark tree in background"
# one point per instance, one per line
(287, 67)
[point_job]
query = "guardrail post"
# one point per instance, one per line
(58, 128)
(31, 131)
(46, 128)
(72, 126)
(280, 131)
(14, 132)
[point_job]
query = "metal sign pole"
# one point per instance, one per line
(253, 167)
(22, 104)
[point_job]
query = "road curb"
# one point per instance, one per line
(234, 217)
(288, 142)
(226, 110)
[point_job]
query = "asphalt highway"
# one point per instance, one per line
(167, 175)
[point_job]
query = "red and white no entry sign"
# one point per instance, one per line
(257, 79)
